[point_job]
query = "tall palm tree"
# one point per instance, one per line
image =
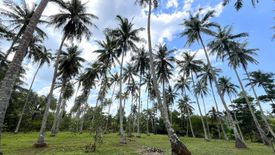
(42, 57)
(126, 37)
(184, 104)
(170, 95)
(14, 67)
(141, 64)
(207, 76)
(241, 57)
(114, 81)
(195, 26)
(230, 89)
(69, 67)
(74, 21)
(19, 16)
(189, 66)
(201, 90)
(177, 146)
(225, 47)
(164, 66)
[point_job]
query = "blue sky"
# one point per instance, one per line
(165, 28)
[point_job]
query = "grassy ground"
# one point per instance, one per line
(74, 144)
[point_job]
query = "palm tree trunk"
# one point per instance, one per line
(205, 114)
(26, 102)
(259, 104)
(41, 142)
(187, 127)
(177, 147)
(217, 108)
(14, 67)
(147, 119)
(258, 126)
(122, 134)
(59, 103)
(129, 119)
(239, 143)
(109, 109)
(82, 123)
(58, 123)
(13, 43)
(139, 100)
(201, 116)
(235, 117)
(190, 123)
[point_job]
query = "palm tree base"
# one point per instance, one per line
(207, 140)
(179, 149)
(40, 144)
(240, 144)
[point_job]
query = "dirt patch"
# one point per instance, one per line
(151, 151)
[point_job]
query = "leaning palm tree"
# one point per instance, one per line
(177, 147)
(184, 104)
(74, 21)
(189, 66)
(141, 64)
(18, 18)
(14, 67)
(241, 57)
(69, 66)
(195, 26)
(261, 79)
(207, 76)
(126, 37)
(42, 57)
(225, 47)
(230, 89)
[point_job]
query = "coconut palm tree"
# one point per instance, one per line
(239, 3)
(195, 26)
(74, 21)
(164, 66)
(177, 147)
(230, 89)
(141, 64)
(132, 89)
(225, 47)
(184, 104)
(260, 79)
(14, 67)
(126, 37)
(114, 81)
(189, 66)
(69, 66)
(201, 90)
(42, 57)
(170, 95)
(206, 76)
(241, 57)
(19, 16)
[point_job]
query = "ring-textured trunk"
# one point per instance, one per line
(239, 143)
(26, 102)
(178, 148)
(14, 67)
(121, 112)
(41, 138)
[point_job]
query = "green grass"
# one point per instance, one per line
(74, 144)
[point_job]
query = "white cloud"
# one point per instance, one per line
(172, 4)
